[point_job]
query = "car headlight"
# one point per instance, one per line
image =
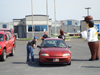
(67, 54)
(44, 54)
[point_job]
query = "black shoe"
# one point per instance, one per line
(97, 59)
(91, 59)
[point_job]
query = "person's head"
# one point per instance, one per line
(45, 32)
(61, 32)
(35, 38)
(89, 21)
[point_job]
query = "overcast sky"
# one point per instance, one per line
(65, 9)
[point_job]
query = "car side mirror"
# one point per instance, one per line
(69, 46)
(39, 46)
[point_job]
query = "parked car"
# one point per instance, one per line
(6, 45)
(9, 30)
(54, 51)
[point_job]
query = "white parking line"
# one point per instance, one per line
(82, 63)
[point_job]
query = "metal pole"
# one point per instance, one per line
(32, 17)
(47, 15)
(55, 16)
(88, 10)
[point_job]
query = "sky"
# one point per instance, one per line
(65, 9)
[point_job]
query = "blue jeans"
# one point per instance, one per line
(30, 51)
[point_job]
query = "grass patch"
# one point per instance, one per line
(27, 39)
(98, 37)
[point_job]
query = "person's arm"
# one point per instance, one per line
(34, 43)
(33, 46)
(42, 37)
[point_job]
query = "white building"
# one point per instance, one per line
(24, 26)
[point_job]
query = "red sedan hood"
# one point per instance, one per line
(55, 51)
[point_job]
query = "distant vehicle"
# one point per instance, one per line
(54, 51)
(6, 45)
(65, 33)
(8, 30)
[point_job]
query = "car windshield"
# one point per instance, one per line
(1, 37)
(54, 43)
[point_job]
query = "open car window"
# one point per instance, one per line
(54, 43)
(1, 37)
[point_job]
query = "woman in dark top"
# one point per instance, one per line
(61, 35)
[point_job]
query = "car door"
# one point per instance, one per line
(6, 43)
(9, 42)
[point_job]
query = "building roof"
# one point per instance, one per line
(36, 15)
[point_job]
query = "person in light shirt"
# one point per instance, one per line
(92, 38)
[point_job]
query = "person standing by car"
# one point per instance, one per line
(45, 35)
(92, 38)
(61, 35)
(30, 46)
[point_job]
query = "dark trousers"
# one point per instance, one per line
(94, 49)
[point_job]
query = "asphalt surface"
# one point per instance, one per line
(16, 65)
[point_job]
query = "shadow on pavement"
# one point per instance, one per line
(36, 64)
(79, 60)
(91, 66)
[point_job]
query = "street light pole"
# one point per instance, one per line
(55, 16)
(88, 10)
(47, 15)
(32, 16)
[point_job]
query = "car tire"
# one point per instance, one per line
(40, 64)
(69, 63)
(3, 56)
(12, 52)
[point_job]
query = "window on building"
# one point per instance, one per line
(37, 28)
(69, 22)
(63, 23)
(44, 27)
(4, 26)
(75, 23)
(29, 28)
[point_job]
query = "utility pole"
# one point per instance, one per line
(55, 16)
(32, 17)
(88, 10)
(47, 16)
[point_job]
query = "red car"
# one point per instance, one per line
(6, 45)
(8, 30)
(54, 50)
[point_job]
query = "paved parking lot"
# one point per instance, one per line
(16, 65)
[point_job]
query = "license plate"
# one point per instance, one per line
(55, 60)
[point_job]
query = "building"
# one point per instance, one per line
(71, 26)
(6, 25)
(58, 24)
(24, 26)
(67, 26)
